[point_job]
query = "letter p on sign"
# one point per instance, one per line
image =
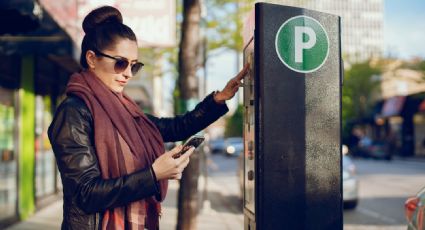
(302, 44)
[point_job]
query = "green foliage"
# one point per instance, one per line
(150, 57)
(224, 23)
(359, 86)
(422, 65)
(414, 65)
(234, 125)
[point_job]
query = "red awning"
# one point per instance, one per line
(393, 106)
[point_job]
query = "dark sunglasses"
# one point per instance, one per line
(122, 63)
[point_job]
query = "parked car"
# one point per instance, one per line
(350, 182)
(379, 150)
(217, 145)
(233, 146)
(376, 149)
(415, 211)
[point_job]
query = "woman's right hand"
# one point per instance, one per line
(167, 167)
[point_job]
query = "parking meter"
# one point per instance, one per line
(292, 119)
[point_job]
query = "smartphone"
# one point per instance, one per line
(193, 141)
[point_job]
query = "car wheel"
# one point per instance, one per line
(352, 204)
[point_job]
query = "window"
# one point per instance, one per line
(45, 165)
(8, 158)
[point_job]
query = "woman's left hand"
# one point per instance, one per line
(231, 87)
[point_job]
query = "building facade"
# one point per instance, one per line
(362, 24)
(402, 93)
(36, 59)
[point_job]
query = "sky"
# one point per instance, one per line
(404, 28)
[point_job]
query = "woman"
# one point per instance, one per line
(111, 155)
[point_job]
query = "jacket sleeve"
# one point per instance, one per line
(183, 126)
(71, 136)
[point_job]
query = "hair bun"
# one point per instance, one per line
(101, 15)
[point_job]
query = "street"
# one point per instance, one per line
(384, 187)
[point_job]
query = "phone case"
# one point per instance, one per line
(192, 142)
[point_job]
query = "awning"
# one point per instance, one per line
(393, 106)
(18, 16)
(31, 31)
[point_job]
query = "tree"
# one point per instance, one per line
(421, 65)
(359, 86)
(234, 125)
(417, 64)
(222, 36)
(188, 90)
(224, 24)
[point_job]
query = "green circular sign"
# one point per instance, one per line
(302, 44)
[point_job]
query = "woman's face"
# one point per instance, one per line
(104, 67)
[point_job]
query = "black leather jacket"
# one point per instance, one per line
(86, 194)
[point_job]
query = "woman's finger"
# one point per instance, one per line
(175, 150)
(236, 87)
(183, 165)
(185, 156)
(243, 72)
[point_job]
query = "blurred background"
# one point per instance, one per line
(383, 106)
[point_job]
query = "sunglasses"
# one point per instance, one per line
(122, 63)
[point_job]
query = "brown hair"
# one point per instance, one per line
(103, 26)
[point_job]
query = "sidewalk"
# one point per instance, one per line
(219, 215)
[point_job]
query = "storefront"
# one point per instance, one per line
(419, 121)
(38, 53)
(35, 65)
(419, 124)
(45, 166)
(403, 121)
(8, 161)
